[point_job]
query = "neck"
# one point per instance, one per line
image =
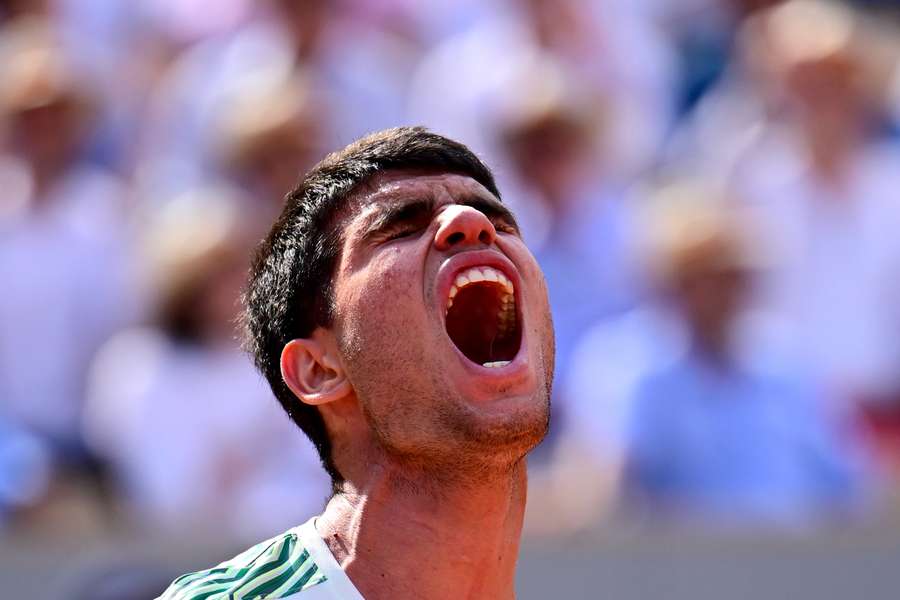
(714, 349)
(408, 537)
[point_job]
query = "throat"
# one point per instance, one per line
(471, 538)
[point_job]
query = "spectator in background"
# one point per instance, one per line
(64, 226)
(824, 176)
(800, 127)
(703, 33)
(364, 82)
(267, 135)
(612, 48)
(721, 430)
(191, 433)
(691, 404)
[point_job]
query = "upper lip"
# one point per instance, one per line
(457, 263)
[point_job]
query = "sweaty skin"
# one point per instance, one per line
(431, 445)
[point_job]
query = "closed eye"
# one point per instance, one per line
(411, 218)
(504, 226)
(401, 221)
(407, 230)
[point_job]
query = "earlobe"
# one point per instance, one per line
(312, 371)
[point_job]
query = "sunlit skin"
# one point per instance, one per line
(431, 445)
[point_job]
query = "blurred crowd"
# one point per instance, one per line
(712, 188)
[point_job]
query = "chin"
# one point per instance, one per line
(512, 429)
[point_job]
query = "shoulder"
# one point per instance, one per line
(280, 567)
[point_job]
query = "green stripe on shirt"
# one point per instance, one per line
(271, 570)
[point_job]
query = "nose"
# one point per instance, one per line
(463, 226)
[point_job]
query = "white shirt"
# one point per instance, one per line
(338, 586)
(296, 565)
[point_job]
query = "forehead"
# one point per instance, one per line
(397, 187)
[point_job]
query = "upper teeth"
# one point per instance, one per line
(478, 274)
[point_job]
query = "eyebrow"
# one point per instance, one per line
(421, 208)
(400, 212)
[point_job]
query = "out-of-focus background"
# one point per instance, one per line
(712, 188)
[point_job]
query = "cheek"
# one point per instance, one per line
(386, 344)
(539, 317)
(538, 298)
(545, 320)
(387, 288)
(381, 308)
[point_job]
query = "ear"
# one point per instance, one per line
(311, 369)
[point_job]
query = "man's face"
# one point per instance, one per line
(448, 369)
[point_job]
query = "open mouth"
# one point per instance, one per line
(482, 319)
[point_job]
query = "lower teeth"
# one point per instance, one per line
(496, 364)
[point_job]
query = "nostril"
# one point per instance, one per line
(484, 237)
(455, 238)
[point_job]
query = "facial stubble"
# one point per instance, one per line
(432, 428)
